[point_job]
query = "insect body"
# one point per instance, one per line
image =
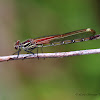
(54, 40)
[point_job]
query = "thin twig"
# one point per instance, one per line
(49, 55)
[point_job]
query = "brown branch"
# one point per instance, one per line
(49, 55)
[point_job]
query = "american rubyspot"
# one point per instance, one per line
(54, 40)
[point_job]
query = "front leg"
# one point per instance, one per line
(17, 53)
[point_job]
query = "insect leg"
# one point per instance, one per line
(37, 53)
(42, 51)
(29, 52)
(17, 52)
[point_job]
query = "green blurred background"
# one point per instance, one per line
(69, 78)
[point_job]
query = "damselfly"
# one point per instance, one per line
(54, 40)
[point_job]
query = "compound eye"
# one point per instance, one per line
(16, 47)
(18, 42)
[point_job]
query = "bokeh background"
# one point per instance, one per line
(69, 78)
